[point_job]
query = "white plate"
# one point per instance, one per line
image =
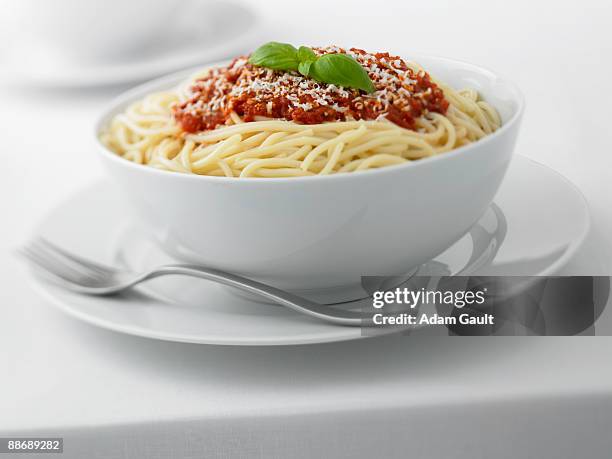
(538, 221)
(206, 31)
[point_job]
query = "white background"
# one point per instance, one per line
(58, 374)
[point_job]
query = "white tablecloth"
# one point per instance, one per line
(118, 396)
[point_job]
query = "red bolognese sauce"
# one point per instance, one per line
(402, 95)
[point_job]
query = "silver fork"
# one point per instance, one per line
(81, 275)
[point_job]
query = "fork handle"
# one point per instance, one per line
(297, 303)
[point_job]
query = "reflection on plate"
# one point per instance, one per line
(203, 34)
(538, 221)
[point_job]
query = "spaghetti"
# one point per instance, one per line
(246, 121)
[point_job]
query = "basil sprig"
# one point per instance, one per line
(338, 69)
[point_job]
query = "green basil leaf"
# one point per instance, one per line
(276, 56)
(341, 70)
(304, 67)
(306, 57)
(306, 54)
(338, 69)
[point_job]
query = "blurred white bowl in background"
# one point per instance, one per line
(94, 29)
(199, 31)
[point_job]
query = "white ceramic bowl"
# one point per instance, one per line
(321, 234)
